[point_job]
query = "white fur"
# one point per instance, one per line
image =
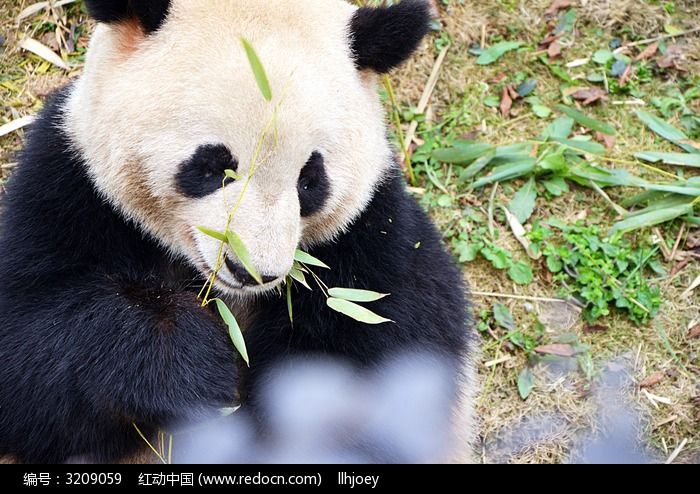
(144, 105)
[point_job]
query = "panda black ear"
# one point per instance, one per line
(149, 13)
(383, 38)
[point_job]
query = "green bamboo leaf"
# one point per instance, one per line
(213, 234)
(354, 295)
(258, 70)
(303, 257)
(586, 121)
(290, 309)
(355, 311)
(523, 204)
(239, 248)
(678, 159)
(462, 152)
(232, 175)
(298, 275)
(493, 53)
(234, 330)
(650, 219)
(507, 172)
(666, 130)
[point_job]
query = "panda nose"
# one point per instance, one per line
(242, 275)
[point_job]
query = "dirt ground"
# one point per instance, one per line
(569, 416)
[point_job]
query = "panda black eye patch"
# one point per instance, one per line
(204, 172)
(313, 186)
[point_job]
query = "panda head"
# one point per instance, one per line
(168, 102)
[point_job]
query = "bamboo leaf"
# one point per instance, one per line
(43, 51)
(305, 258)
(290, 309)
(239, 248)
(258, 70)
(232, 175)
(213, 233)
(586, 121)
(354, 295)
(355, 311)
(297, 275)
(234, 330)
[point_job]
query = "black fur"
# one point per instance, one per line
(313, 186)
(204, 172)
(100, 328)
(383, 38)
(151, 14)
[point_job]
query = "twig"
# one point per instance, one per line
(681, 232)
(424, 100)
(662, 243)
(492, 200)
(618, 209)
(520, 297)
(498, 361)
(677, 452)
(649, 41)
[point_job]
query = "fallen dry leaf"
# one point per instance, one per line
(549, 39)
(590, 95)
(648, 52)
(559, 350)
(652, 380)
(694, 331)
(554, 50)
(43, 51)
(608, 141)
(513, 93)
(506, 103)
(556, 6)
(674, 54)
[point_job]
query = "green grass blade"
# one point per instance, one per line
(586, 121)
(462, 153)
(508, 172)
(666, 130)
(650, 219)
(677, 159)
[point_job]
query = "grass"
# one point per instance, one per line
(564, 405)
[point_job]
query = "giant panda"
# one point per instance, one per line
(101, 260)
